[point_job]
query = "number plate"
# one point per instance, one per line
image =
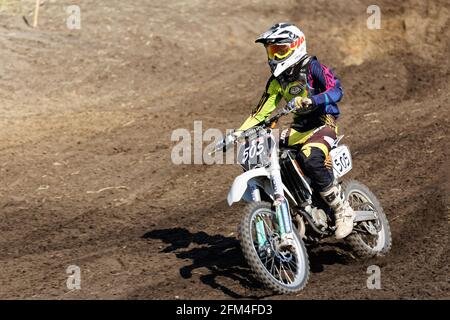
(342, 160)
(255, 152)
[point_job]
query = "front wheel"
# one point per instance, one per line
(369, 238)
(284, 270)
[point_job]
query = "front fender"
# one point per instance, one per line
(240, 184)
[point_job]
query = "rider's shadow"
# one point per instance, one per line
(221, 255)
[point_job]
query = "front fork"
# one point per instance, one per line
(260, 230)
(282, 217)
(280, 203)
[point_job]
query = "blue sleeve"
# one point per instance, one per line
(333, 91)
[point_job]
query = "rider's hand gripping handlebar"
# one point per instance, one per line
(230, 138)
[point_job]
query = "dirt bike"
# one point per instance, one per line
(283, 212)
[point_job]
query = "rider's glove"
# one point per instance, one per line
(237, 133)
(300, 104)
(230, 138)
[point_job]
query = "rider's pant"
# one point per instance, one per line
(313, 155)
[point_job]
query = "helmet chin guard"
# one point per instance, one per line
(284, 33)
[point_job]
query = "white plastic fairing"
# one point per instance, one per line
(342, 160)
(240, 184)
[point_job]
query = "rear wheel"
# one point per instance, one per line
(284, 270)
(369, 238)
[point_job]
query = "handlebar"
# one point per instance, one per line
(231, 138)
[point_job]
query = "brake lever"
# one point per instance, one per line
(224, 143)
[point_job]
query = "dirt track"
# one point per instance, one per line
(89, 109)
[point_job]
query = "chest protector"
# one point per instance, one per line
(294, 83)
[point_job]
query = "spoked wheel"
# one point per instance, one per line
(369, 238)
(283, 269)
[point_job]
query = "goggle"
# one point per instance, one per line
(278, 51)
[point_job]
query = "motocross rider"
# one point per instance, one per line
(313, 90)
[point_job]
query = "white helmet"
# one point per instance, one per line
(285, 45)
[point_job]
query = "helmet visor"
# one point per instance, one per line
(278, 51)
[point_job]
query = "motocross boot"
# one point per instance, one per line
(343, 213)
